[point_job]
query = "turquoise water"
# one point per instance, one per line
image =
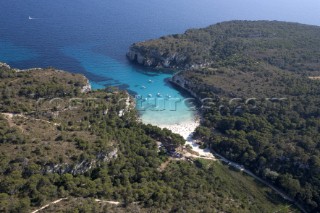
(92, 38)
(157, 101)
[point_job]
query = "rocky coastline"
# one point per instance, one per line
(158, 61)
(176, 62)
(161, 60)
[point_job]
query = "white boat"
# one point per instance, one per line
(30, 18)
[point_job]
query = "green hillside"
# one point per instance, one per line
(60, 140)
(258, 85)
(245, 45)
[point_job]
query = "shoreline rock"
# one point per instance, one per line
(87, 87)
(155, 59)
(4, 65)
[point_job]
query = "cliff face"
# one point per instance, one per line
(86, 88)
(152, 57)
(237, 44)
(4, 65)
(194, 87)
(185, 84)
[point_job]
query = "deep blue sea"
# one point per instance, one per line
(92, 36)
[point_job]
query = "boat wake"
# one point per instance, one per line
(31, 18)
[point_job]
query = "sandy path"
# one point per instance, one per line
(46, 206)
(11, 115)
(108, 201)
(314, 77)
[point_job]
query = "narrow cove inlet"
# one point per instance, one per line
(158, 102)
(159, 106)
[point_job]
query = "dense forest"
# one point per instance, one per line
(244, 45)
(258, 85)
(58, 140)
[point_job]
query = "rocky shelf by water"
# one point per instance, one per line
(155, 59)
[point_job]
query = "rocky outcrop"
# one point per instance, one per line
(187, 85)
(129, 105)
(80, 167)
(149, 57)
(4, 65)
(86, 88)
(105, 157)
(193, 87)
(75, 169)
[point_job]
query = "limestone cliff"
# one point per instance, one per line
(147, 55)
(192, 86)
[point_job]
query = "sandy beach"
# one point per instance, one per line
(186, 130)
